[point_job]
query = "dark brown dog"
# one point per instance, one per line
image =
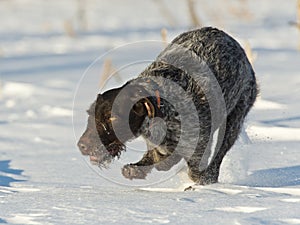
(121, 114)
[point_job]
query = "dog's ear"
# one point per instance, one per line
(97, 105)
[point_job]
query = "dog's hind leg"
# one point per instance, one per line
(233, 126)
(211, 173)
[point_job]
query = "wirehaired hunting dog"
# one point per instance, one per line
(190, 103)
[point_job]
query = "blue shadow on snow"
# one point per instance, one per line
(280, 122)
(2, 221)
(6, 172)
(277, 177)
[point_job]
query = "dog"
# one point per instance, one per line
(181, 110)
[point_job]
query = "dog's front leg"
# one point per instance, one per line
(140, 169)
(133, 171)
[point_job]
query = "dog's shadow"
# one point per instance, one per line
(7, 174)
(277, 177)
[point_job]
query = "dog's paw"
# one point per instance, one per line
(132, 171)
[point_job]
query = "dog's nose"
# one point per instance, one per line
(83, 148)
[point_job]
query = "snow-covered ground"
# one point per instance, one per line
(44, 51)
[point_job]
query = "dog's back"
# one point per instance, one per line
(225, 58)
(229, 66)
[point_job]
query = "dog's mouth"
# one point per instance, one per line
(103, 156)
(94, 158)
(101, 160)
(101, 163)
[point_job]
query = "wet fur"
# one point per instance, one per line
(228, 62)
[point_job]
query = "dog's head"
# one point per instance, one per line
(100, 141)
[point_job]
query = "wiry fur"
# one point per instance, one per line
(226, 60)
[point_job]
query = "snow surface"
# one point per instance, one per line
(43, 55)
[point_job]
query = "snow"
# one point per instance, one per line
(213, 146)
(43, 57)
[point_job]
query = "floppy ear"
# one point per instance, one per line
(97, 104)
